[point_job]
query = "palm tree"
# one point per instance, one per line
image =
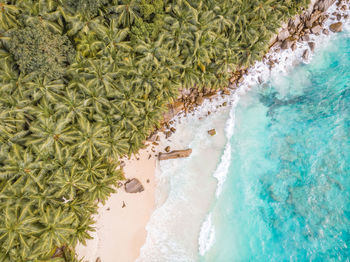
(127, 12)
(45, 11)
(50, 134)
(114, 36)
(44, 87)
(151, 116)
(150, 53)
(101, 189)
(95, 99)
(17, 225)
(222, 22)
(69, 183)
(79, 21)
(82, 227)
(177, 30)
(19, 165)
(13, 82)
(81, 207)
(117, 146)
(71, 104)
(116, 143)
(43, 108)
(88, 44)
(8, 17)
(41, 199)
(55, 228)
(89, 139)
(100, 73)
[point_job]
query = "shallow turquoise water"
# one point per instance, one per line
(287, 192)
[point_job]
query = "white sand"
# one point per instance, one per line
(120, 232)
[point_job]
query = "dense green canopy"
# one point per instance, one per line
(40, 52)
(85, 82)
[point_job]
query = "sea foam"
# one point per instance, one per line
(186, 188)
(207, 235)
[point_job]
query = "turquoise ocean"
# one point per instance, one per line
(274, 183)
(287, 192)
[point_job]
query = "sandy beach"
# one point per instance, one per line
(120, 231)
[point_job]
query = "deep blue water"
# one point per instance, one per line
(287, 192)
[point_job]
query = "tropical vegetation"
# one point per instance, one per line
(84, 82)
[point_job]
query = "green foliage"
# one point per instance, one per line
(83, 83)
(150, 8)
(88, 7)
(37, 50)
(151, 19)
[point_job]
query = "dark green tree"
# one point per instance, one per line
(38, 51)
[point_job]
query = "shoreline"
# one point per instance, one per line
(300, 29)
(127, 242)
(121, 231)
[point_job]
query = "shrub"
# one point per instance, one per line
(88, 7)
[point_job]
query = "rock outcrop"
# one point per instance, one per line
(336, 27)
(168, 134)
(313, 17)
(283, 35)
(211, 95)
(199, 100)
(317, 29)
(174, 109)
(133, 186)
(312, 46)
(323, 5)
(286, 44)
(298, 27)
(152, 137)
(306, 54)
(175, 154)
(212, 132)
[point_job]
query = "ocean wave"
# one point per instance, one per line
(206, 236)
(185, 188)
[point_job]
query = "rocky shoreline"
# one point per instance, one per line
(298, 29)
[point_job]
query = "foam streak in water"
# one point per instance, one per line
(206, 236)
